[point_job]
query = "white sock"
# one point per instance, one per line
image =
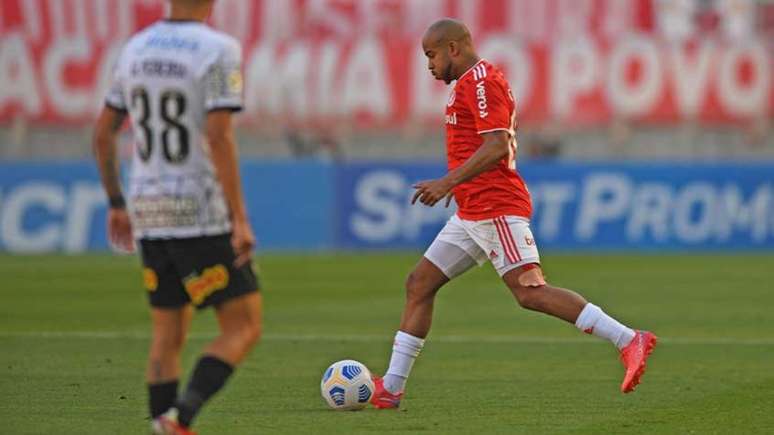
(404, 351)
(592, 320)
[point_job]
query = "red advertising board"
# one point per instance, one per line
(575, 61)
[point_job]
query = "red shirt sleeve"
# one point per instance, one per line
(491, 104)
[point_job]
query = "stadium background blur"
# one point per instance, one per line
(338, 94)
(645, 130)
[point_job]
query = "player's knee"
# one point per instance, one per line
(530, 298)
(160, 356)
(246, 335)
(418, 289)
(252, 333)
(165, 344)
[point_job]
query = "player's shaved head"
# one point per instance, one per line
(448, 45)
(446, 30)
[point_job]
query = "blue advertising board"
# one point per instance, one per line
(47, 207)
(51, 207)
(604, 206)
(303, 205)
(374, 206)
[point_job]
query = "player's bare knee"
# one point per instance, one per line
(167, 343)
(177, 341)
(245, 335)
(527, 286)
(252, 333)
(418, 289)
(531, 298)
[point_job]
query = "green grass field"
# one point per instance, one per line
(74, 332)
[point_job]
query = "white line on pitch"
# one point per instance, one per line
(368, 338)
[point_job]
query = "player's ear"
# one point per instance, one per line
(454, 48)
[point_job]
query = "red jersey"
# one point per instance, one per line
(481, 102)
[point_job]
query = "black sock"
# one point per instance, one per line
(208, 377)
(162, 397)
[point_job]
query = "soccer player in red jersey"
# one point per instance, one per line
(492, 221)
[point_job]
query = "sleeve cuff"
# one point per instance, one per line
(115, 107)
(229, 108)
(496, 129)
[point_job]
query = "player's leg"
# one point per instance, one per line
(524, 277)
(517, 261)
(451, 254)
(238, 306)
(422, 284)
(533, 293)
(240, 328)
(170, 317)
(170, 326)
(447, 257)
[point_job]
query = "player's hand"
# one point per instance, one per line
(429, 192)
(120, 230)
(243, 242)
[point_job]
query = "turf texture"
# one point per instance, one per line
(74, 335)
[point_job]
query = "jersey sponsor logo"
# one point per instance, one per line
(211, 280)
(451, 119)
(150, 279)
(172, 43)
(481, 99)
(164, 211)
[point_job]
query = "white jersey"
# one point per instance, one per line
(168, 77)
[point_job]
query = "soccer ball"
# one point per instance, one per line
(347, 385)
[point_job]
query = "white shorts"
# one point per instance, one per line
(506, 241)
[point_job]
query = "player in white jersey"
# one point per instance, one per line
(179, 82)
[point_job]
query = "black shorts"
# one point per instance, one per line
(198, 270)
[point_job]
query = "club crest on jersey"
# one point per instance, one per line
(481, 98)
(235, 82)
(452, 98)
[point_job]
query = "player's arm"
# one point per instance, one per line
(105, 147)
(105, 152)
(223, 96)
(496, 147)
(220, 134)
